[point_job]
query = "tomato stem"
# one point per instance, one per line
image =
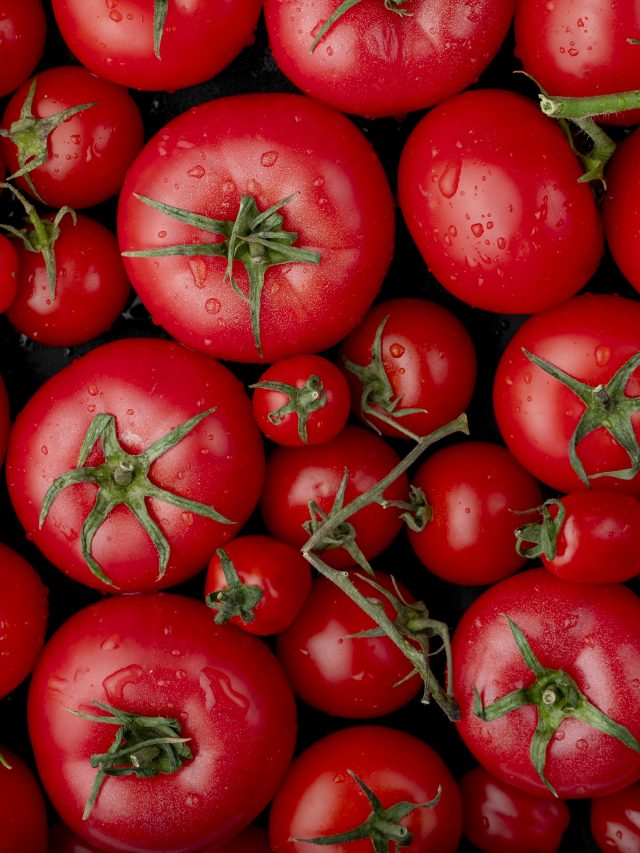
(540, 537)
(302, 401)
(345, 6)
(237, 598)
(160, 8)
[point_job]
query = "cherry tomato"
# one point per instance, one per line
(615, 820)
(621, 207)
(9, 263)
(22, 35)
(22, 808)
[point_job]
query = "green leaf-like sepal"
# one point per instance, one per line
(540, 537)
(237, 598)
(345, 6)
(302, 401)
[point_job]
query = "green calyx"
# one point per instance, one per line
(377, 398)
(605, 406)
(122, 479)
(237, 598)
(30, 135)
(302, 401)
(556, 697)
(160, 8)
(541, 537)
(142, 747)
(382, 827)
(255, 239)
(392, 5)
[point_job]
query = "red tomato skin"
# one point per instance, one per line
(298, 475)
(364, 63)
(503, 226)
(593, 634)
(273, 146)
(352, 678)
(22, 34)
(499, 818)
(621, 208)
(428, 356)
(281, 572)
(318, 797)
(91, 286)
(615, 821)
(150, 386)
(89, 153)
(5, 419)
(9, 263)
(472, 489)
(589, 337)
(161, 655)
(22, 808)
(200, 38)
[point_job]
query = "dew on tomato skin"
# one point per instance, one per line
(396, 350)
(44, 450)
(477, 229)
(219, 692)
(559, 735)
(114, 685)
(192, 800)
(196, 172)
(582, 745)
(110, 644)
(167, 630)
(58, 683)
(450, 178)
(338, 778)
(603, 354)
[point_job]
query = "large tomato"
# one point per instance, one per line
(159, 656)
(22, 34)
(149, 388)
(297, 280)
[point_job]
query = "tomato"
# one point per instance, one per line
(472, 490)
(615, 820)
(278, 571)
(5, 419)
(542, 421)
(499, 818)
(22, 34)
(22, 809)
(91, 286)
(320, 797)
(621, 208)
(141, 390)
(82, 160)
(9, 263)
(159, 656)
(296, 476)
(328, 246)
(587, 640)
(301, 400)
(197, 40)
(373, 62)
(411, 367)
(338, 673)
(501, 225)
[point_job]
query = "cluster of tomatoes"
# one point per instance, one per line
(236, 370)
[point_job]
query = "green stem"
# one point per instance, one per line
(345, 6)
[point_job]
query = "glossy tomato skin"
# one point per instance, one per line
(91, 286)
(499, 818)
(502, 225)
(427, 356)
(89, 153)
(473, 489)
(589, 337)
(375, 63)
(150, 386)
(9, 263)
(22, 808)
(161, 655)
(339, 674)
(5, 419)
(22, 34)
(621, 208)
(296, 476)
(615, 820)
(318, 797)
(269, 146)
(199, 39)
(280, 571)
(593, 634)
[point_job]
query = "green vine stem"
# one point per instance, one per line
(392, 5)
(160, 8)
(237, 598)
(302, 401)
(540, 537)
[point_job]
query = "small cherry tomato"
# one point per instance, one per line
(615, 821)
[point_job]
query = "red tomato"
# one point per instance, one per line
(615, 821)
(277, 570)
(198, 39)
(84, 158)
(621, 207)
(22, 35)
(160, 655)
(149, 387)
(319, 796)
(5, 419)
(373, 62)
(301, 400)
(22, 809)
(498, 818)
(472, 490)
(589, 338)
(91, 286)
(9, 263)
(338, 673)
(503, 226)
(591, 634)
(228, 159)
(409, 354)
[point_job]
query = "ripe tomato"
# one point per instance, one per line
(22, 35)
(501, 225)
(9, 263)
(22, 809)
(615, 820)
(590, 338)
(231, 160)
(319, 797)
(373, 62)
(197, 39)
(149, 387)
(589, 633)
(621, 207)
(83, 158)
(5, 419)
(160, 656)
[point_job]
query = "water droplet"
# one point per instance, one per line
(269, 158)
(339, 778)
(603, 354)
(477, 229)
(396, 350)
(198, 269)
(319, 181)
(559, 735)
(541, 213)
(192, 800)
(76, 138)
(485, 822)
(502, 243)
(167, 630)
(450, 178)
(187, 517)
(58, 684)
(220, 693)
(571, 621)
(110, 643)
(115, 16)
(162, 234)
(91, 407)
(44, 450)
(573, 51)
(582, 745)
(114, 684)
(228, 187)
(196, 172)
(212, 306)
(130, 412)
(526, 378)
(93, 390)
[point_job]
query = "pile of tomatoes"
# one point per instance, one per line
(319, 349)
